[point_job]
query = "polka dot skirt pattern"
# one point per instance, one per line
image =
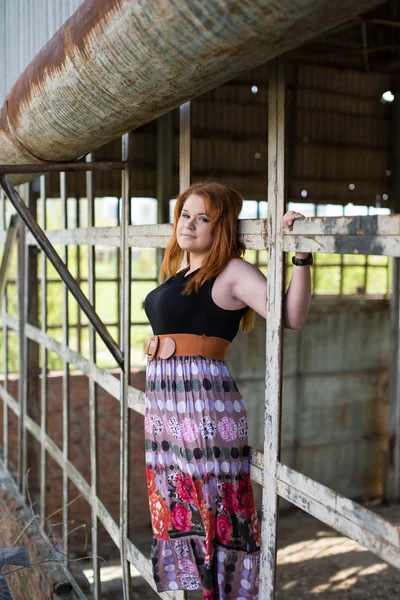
(206, 533)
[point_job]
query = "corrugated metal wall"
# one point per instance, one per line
(334, 396)
(25, 27)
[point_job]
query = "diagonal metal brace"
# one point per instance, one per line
(61, 269)
(11, 556)
(12, 233)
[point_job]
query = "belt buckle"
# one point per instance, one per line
(152, 347)
(167, 347)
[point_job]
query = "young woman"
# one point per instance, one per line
(205, 529)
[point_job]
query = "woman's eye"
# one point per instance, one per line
(184, 216)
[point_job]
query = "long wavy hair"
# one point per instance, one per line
(223, 205)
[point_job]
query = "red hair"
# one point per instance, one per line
(223, 205)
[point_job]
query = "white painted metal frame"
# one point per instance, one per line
(363, 235)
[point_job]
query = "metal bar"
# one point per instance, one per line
(92, 393)
(125, 374)
(3, 207)
(5, 345)
(32, 355)
(61, 269)
(58, 167)
(378, 245)
(43, 402)
(22, 292)
(65, 378)
(11, 239)
(371, 531)
(276, 208)
(78, 271)
(394, 425)
(375, 234)
(117, 269)
(392, 467)
(185, 146)
(165, 169)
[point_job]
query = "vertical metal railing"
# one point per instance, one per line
(78, 272)
(273, 388)
(125, 372)
(93, 390)
(23, 343)
(185, 146)
(5, 347)
(44, 357)
(65, 378)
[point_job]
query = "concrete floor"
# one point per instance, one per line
(313, 562)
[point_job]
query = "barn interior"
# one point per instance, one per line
(340, 413)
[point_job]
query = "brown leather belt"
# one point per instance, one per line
(186, 344)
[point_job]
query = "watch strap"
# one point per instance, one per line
(301, 262)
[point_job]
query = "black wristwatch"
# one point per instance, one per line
(301, 262)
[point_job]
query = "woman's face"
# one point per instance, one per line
(194, 226)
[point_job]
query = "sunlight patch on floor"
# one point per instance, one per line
(110, 573)
(319, 548)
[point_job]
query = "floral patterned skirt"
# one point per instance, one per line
(206, 533)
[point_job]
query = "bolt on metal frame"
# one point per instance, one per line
(364, 235)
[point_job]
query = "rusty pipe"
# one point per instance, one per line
(117, 64)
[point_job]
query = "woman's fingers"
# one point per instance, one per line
(290, 217)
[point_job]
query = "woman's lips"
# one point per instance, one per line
(188, 236)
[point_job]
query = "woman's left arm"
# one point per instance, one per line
(296, 302)
(249, 285)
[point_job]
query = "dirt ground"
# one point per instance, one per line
(313, 562)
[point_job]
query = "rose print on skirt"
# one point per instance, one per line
(206, 533)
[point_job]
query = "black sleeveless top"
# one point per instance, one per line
(169, 312)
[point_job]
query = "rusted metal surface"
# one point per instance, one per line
(117, 64)
(61, 268)
(25, 27)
